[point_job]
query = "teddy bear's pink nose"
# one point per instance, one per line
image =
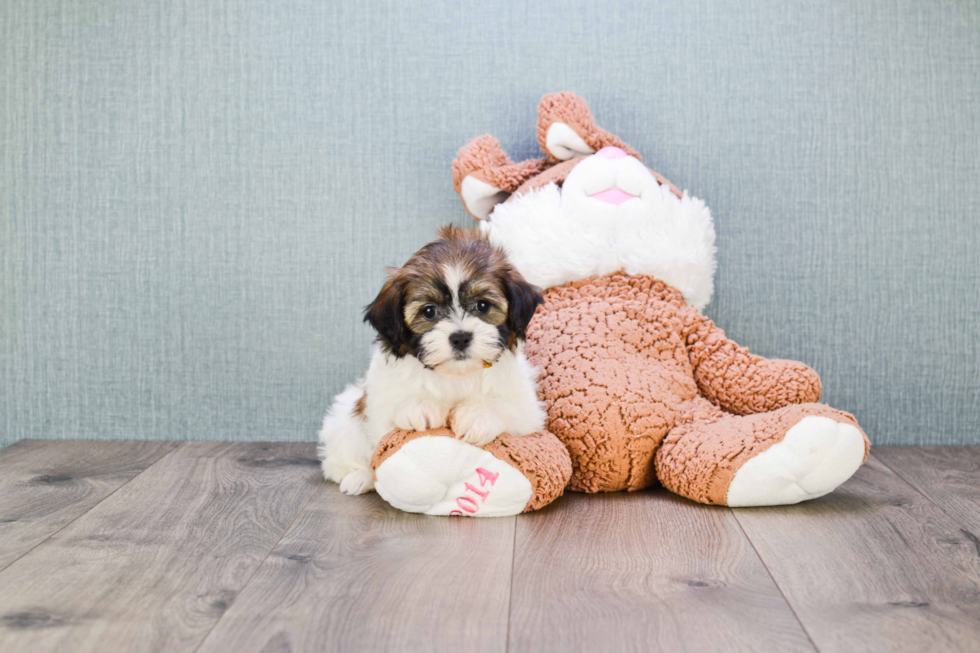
(611, 152)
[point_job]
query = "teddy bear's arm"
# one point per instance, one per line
(740, 382)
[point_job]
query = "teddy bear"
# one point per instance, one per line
(640, 388)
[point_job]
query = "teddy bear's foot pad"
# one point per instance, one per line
(815, 456)
(438, 475)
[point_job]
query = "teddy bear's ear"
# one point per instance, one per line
(563, 143)
(484, 176)
(566, 129)
(480, 198)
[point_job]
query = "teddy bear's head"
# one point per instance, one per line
(590, 206)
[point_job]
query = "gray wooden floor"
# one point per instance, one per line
(159, 546)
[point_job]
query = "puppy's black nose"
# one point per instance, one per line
(460, 340)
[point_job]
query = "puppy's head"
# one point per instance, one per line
(456, 305)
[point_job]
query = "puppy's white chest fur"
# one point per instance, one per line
(403, 393)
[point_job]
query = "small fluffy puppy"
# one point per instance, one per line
(450, 351)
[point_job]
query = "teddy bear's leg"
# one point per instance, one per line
(434, 473)
(789, 455)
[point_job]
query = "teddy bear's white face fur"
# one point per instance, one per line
(610, 214)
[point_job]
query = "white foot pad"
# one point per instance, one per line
(438, 475)
(814, 458)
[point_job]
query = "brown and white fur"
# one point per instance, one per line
(450, 351)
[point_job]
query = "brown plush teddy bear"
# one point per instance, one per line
(639, 386)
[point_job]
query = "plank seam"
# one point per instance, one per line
(259, 566)
(89, 509)
(773, 578)
(915, 488)
(510, 588)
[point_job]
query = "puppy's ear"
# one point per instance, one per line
(522, 300)
(387, 315)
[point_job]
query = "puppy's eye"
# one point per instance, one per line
(482, 307)
(428, 311)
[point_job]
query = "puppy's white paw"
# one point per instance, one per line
(477, 426)
(358, 482)
(420, 416)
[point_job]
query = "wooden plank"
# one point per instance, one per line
(949, 476)
(154, 566)
(874, 566)
(643, 572)
(45, 484)
(354, 574)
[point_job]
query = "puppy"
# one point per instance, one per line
(450, 351)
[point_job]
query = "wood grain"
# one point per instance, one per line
(45, 484)
(354, 574)
(874, 566)
(641, 572)
(166, 547)
(155, 565)
(949, 476)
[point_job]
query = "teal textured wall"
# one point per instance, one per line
(197, 197)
